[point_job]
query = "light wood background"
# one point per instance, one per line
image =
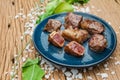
(11, 30)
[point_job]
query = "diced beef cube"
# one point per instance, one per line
(52, 25)
(97, 43)
(93, 27)
(74, 48)
(72, 20)
(56, 39)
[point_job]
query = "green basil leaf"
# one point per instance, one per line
(63, 7)
(30, 62)
(33, 72)
(78, 1)
(50, 8)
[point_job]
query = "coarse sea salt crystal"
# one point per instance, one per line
(63, 69)
(98, 74)
(90, 68)
(74, 71)
(52, 79)
(17, 16)
(27, 47)
(67, 73)
(47, 76)
(107, 69)
(87, 10)
(117, 63)
(89, 78)
(79, 76)
(21, 37)
(82, 9)
(20, 14)
(105, 65)
(69, 78)
(104, 75)
(23, 59)
(113, 72)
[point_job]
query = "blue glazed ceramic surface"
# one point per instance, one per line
(58, 56)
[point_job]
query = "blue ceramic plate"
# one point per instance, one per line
(58, 56)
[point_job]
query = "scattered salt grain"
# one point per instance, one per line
(21, 37)
(68, 74)
(74, 71)
(15, 55)
(109, 23)
(105, 65)
(117, 63)
(89, 78)
(111, 57)
(20, 14)
(16, 76)
(42, 62)
(23, 16)
(16, 67)
(87, 10)
(23, 59)
(27, 47)
(104, 75)
(47, 76)
(17, 16)
(98, 74)
(113, 72)
(79, 76)
(69, 78)
(106, 69)
(90, 68)
(82, 9)
(12, 73)
(52, 79)
(117, 32)
(63, 69)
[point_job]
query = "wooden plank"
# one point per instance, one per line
(12, 29)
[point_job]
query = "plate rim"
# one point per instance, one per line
(77, 66)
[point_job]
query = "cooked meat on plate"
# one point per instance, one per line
(93, 27)
(53, 25)
(56, 39)
(74, 48)
(72, 20)
(97, 43)
(75, 35)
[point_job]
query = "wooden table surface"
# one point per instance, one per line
(12, 29)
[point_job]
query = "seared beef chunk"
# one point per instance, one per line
(93, 27)
(52, 25)
(72, 20)
(56, 39)
(98, 43)
(74, 48)
(75, 35)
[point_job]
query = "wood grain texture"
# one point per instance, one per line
(12, 29)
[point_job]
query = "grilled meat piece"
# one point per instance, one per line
(93, 27)
(75, 35)
(52, 25)
(72, 20)
(56, 39)
(74, 48)
(97, 43)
